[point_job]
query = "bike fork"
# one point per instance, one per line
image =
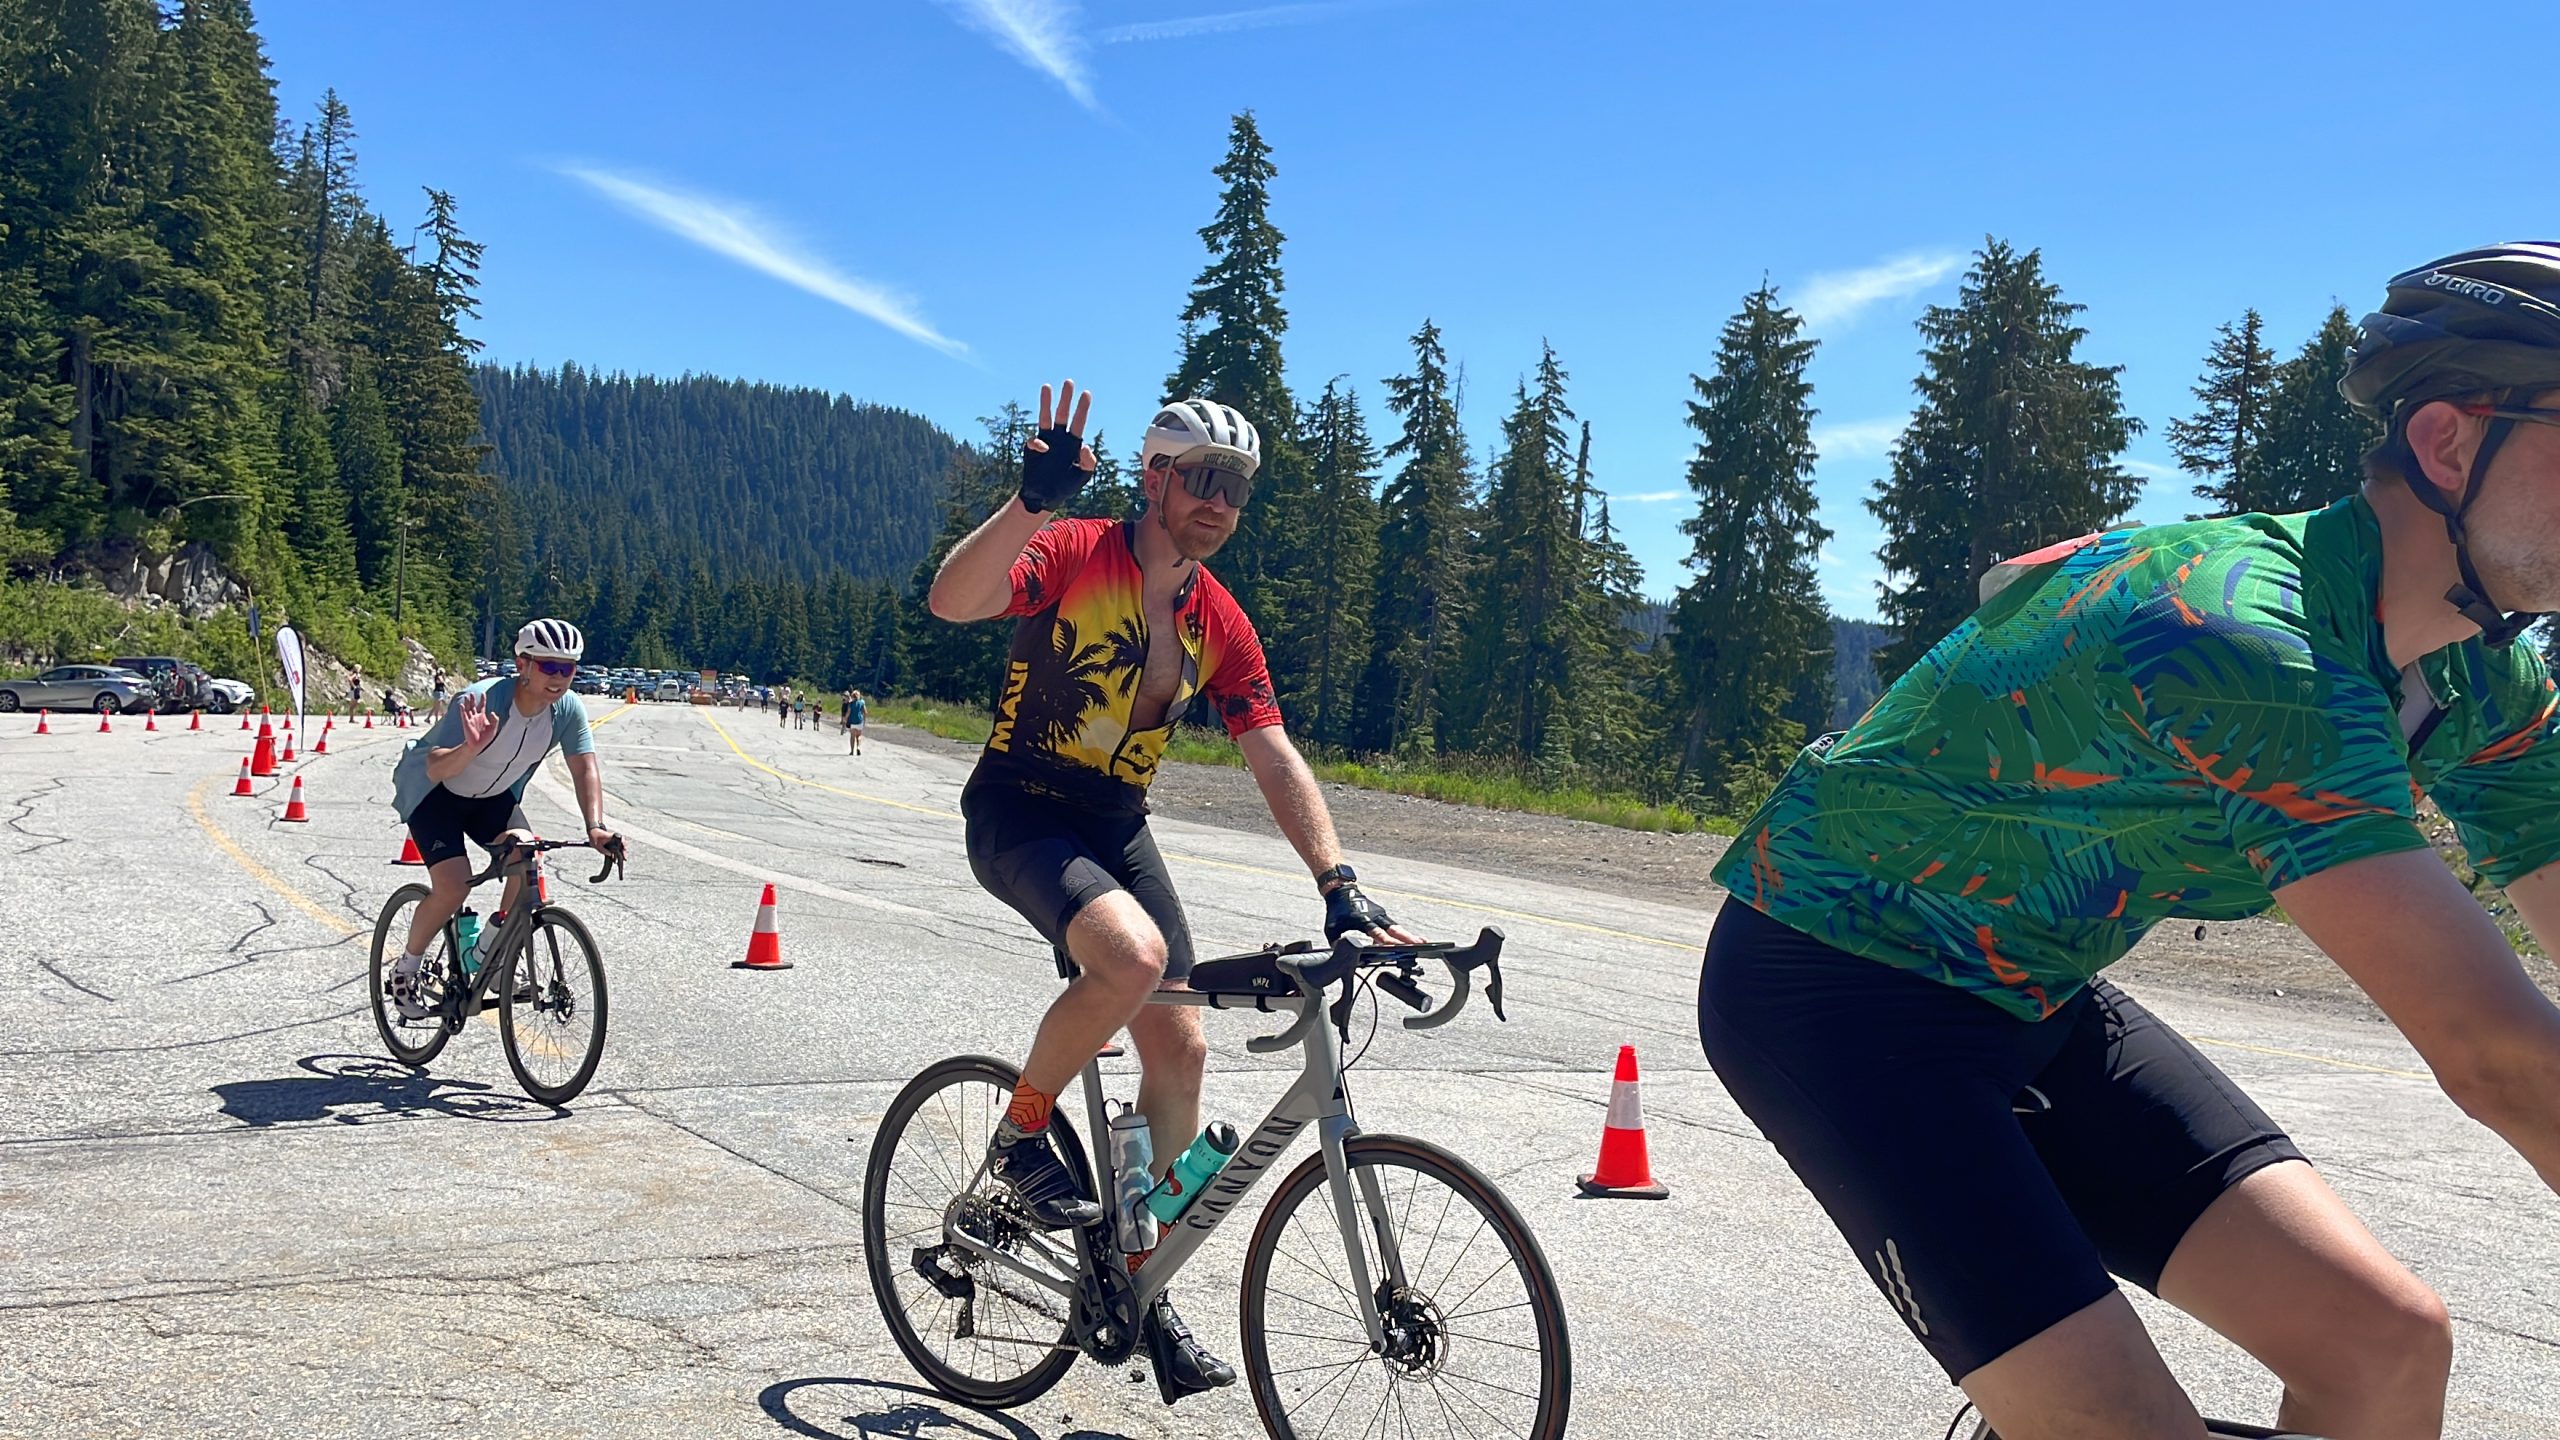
(1333, 1133)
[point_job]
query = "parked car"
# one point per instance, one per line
(670, 688)
(228, 696)
(102, 688)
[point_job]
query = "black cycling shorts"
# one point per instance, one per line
(1894, 1098)
(1049, 859)
(443, 818)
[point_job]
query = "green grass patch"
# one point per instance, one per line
(1459, 780)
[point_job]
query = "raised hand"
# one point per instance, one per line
(1056, 462)
(479, 727)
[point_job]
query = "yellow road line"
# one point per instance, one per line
(258, 872)
(1242, 869)
(2314, 1059)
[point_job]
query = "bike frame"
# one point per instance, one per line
(1314, 1098)
(515, 934)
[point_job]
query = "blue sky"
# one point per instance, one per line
(938, 204)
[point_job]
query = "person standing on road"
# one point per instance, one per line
(435, 710)
(2193, 722)
(854, 713)
(355, 689)
(1056, 809)
(782, 708)
(466, 776)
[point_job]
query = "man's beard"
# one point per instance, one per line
(1188, 546)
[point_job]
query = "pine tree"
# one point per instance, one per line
(1532, 595)
(368, 474)
(1423, 541)
(315, 514)
(1751, 626)
(2220, 441)
(2013, 447)
(1236, 360)
(2312, 451)
(1321, 625)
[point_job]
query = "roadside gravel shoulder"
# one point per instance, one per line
(2262, 959)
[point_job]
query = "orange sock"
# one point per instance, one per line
(1029, 1112)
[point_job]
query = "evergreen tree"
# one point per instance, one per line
(1235, 360)
(315, 515)
(368, 474)
(966, 662)
(2013, 447)
(1533, 595)
(1319, 632)
(1751, 627)
(2220, 441)
(2312, 451)
(1423, 543)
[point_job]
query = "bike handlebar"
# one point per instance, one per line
(1352, 954)
(521, 851)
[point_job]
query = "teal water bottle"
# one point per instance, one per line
(1192, 1171)
(466, 938)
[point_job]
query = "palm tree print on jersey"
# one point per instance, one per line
(1059, 695)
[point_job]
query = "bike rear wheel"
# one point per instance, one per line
(551, 1011)
(411, 1042)
(975, 1331)
(1477, 1343)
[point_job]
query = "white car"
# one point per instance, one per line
(671, 688)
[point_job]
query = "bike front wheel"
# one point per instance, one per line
(552, 1009)
(974, 1329)
(411, 1042)
(1476, 1343)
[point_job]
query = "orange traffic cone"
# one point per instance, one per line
(1625, 1172)
(368, 719)
(243, 787)
(764, 947)
(288, 724)
(322, 748)
(409, 852)
(244, 721)
(293, 807)
(150, 722)
(41, 727)
(262, 758)
(195, 719)
(287, 756)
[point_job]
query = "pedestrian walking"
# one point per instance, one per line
(855, 711)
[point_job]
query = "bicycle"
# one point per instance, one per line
(553, 1032)
(1405, 1319)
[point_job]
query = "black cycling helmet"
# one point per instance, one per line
(2482, 322)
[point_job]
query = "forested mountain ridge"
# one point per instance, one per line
(641, 474)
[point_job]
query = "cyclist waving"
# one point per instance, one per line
(1121, 626)
(466, 776)
(2189, 721)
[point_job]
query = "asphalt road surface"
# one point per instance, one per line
(224, 1212)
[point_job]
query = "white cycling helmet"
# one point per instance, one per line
(1203, 432)
(551, 640)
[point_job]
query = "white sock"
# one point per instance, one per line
(408, 964)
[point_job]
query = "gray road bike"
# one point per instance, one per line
(1389, 1289)
(545, 977)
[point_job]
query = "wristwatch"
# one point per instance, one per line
(1338, 872)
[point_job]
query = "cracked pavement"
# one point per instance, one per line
(224, 1212)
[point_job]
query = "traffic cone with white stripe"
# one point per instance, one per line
(244, 722)
(103, 727)
(41, 727)
(764, 947)
(262, 758)
(368, 719)
(293, 807)
(150, 722)
(1625, 1172)
(323, 747)
(287, 756)
(243, 787)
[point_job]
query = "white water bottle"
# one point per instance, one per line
(483, 952)
(1132, 1156)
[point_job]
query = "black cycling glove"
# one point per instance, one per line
(1347, 910)
(1051, 477)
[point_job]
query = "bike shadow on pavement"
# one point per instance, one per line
(365, 1089)
(907, 1412)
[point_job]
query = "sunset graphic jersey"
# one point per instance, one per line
(1071, 682)
(2164, 723)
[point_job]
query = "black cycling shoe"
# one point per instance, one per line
(1182, 1366)
(1041, 1182)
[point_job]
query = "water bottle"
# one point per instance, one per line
(487, 949)
(1193, 1171)
(466, 935)
(1132, 1152)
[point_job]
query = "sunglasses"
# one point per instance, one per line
(556, 669)
(1205, 481)
(2530, 415)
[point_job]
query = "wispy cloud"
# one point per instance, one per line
(729, 228)
(1859, 439)
(1039, 33)
(1256, 19)
(1650, 497)
(1837, 297)
(2153, 469)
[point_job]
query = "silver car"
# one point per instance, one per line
(102, 688)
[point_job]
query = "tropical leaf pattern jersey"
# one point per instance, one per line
(2168, 722)
(1071, 683)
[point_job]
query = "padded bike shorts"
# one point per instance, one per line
(1049, 858)
(443, 818)
(1896, 1100)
